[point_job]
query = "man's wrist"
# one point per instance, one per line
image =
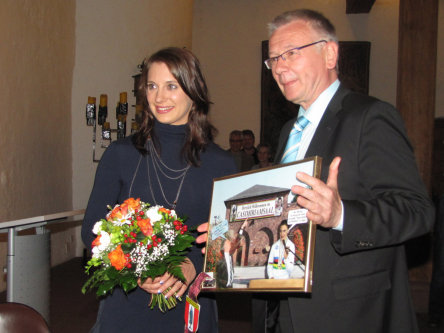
(340, 225)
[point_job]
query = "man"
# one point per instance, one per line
(248, 144)
(370, 198)
(243, 161)
(436, 295)
(231, 244)
(281, 256)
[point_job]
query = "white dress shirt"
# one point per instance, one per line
(314, 114)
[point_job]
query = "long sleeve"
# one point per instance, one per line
(106, 190)
(387, 203)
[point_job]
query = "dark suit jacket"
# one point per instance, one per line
(360, 275)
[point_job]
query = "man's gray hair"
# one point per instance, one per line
(316, 20)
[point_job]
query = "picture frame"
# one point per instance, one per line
(244, 251)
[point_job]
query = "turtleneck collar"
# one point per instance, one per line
(172, 131)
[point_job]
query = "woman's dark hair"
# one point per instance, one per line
(185, 68)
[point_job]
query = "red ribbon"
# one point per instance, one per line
(195, 289)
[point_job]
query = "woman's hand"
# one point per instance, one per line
(162, 283)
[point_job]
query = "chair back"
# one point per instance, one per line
(20, 318)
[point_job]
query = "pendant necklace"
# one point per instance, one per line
(157, 166)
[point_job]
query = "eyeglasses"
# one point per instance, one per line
(289, 54)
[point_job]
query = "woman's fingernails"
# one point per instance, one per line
(159, 292)
(161, 282)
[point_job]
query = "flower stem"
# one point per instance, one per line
(162, 302)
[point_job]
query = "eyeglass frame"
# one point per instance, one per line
(294, 48)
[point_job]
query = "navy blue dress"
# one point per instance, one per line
(116, 180)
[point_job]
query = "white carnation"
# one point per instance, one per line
(105, 240)
(96, 252)
(153, 214)
(97, 227)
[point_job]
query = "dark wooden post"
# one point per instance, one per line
(417, 54)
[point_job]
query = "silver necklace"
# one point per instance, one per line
(157, 162)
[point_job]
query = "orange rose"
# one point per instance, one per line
(132, 203)
(122, 210)
(115, 214)
(164, 210)
(145, 226)
(117, 258)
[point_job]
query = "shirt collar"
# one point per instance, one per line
(315, 112)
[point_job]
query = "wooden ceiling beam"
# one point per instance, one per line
(359, 6)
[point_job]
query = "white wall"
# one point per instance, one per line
(36, 60)
(227, 37)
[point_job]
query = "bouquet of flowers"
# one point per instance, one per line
(137, 241)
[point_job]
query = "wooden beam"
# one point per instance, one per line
(358, 6)
(416, 83)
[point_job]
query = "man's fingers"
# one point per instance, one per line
(332, 180)
(203, 227)
(202, 238)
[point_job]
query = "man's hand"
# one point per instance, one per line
(245, 224)
(322, 200)
(204, 237)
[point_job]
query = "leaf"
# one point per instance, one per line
(105, 287)
(129, 285)
(177, 272)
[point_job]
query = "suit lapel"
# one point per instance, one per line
(285, 132)
(327, 125)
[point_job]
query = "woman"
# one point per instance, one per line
(263, 156)
(281, 257)
(170, 161)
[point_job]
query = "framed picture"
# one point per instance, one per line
(259, 239)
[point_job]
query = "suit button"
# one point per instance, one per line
(363, 244)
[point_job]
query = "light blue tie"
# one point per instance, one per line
(294, 140)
